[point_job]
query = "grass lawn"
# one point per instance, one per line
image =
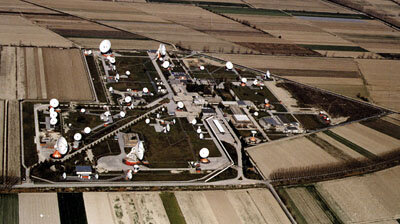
(9, 208)
(256, 95)
(172, 208)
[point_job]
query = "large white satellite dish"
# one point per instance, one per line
(83, 110)
(244, 80)
(77, 136)
(127, 73)
(162, 49)
(53, 121)
(105, 46)
(194, 121)
(62, 145)
(204, 153)
(266, 101)
(53, 114)
(198, 130)
(87, 130)
(229, 65)
(52, 110)
(165, 64)
(180, 105)
(268, 74)
(54, 103)
(145, 90)
(128, 99)
(256, 113)
(110, 89)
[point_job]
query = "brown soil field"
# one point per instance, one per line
(345, 89)
(307, 205)
(296, 152)
(221, 206)
(117, 44)
(371, 140)
(2, 118)
(66, 75)
(315, 73)
(38, 208)
(393, 118)
(338, 145)
(308, 5)
(97, 207)
(21, 7)
(8, 73)
(14, 140)
(372, 198)
(320, 38)
(382, 79)
(15, 30)
(195, 207)
(278, 49)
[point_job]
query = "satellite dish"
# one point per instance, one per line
(266, 101)
(158, 115)
(194, 121)
(165, 64)
(168, 127)
(53, 121)
(117, 76)
(136, 168)
(244, 80)
(201, 136)
(107, 113)
(122, 114)
(145, 90)
(83, 110)
(256, 113)
(128, 99)
(147, 121)
(255, 82)
(180, 105)
(53, 114)
(268, 74)
(202, 67)
(159, 88)
(87, 130)
(52, 110)
(204, 153)
(229, 65)
(198, 130)
(162, 49)
(105, 46)
(64, 176)
(77, 136)
(127, 73)
(174, 121)
(62, 145)
(163, 109)
(54, 103)
(112, 60)
(110, 89)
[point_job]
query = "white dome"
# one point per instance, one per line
(127, 72)
(244, 80)
(198, 130)
(165, 64)
(145, 90)
(62, 145)
(180, 105)
(202, 67)
(77, 136)
(128, 99)
(122, 114)
(105, 46)
(53, 114)
(194, 121)
(87, 130)
(53, 121)
(147, 121)
(54, 103)
(229, 65)
(204, 153)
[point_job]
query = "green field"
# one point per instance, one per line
(247, 11)
(9, 208)
(327, 14)
(333, 48)
(172, 208)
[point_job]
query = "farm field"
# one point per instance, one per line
(14, 140)
(2, 119)
(348, 151)
(72, 208)
(384, 125)
(382, 77)
(8, 73)
(368, 138)
(308, 5)
(16, 30)
(296, 152)
(369, 198)
(9, 209)
(21, 7)
(35, 208)
(97, 207)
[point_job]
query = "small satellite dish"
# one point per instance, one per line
(107, 113)
(156, 78)
(162, 49)
(117, 76)
(201, 136)
(204, 153)
(52, 110)
(202, 67)
(112, 60)
(111, 89)
(198, 130)
(159, 88)
(147, 121)
(83, 110)
(136, 168)
(163, 109)
(145, 90)
(256, 113)
(266, 101)
(127, 73)
(53, 114)
(168, 127)
(244, 80)
(268, 74)
(53, 121)
(194, 121)
(180, 105)
(255, 82)
(158, 115)
(174, 121)
(165, 64)
(77, 136)
(64, 176)
(122, 114)
(128, 99)
(87, 130)
(89, 52)
(54, 103)
(105, 46)
(229, 65)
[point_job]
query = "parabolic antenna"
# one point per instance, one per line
(136, 168)
(52, 110)
(159, 88)
(53, 114)
(110, 89)
(229, 65)
(255, 82)
(244, 80)
(168, 127)
(202, 67)
(122, 114)
(53, 121)
(128, 99)
(201, 136)
(162, 49)
(180, 105)
(266, 101)
(198, 130)
(87, 130)
(268, 74)
(105, 46)
(112, 60)
(127, 73)
(117, 76)
(256, 113)
(194, 121)
(54, 103)
(145, 90)
(147, 121)
(77, 136)
(204, 153)
(62, 145)
(165, 64)
(158, 115)
(83, 110)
